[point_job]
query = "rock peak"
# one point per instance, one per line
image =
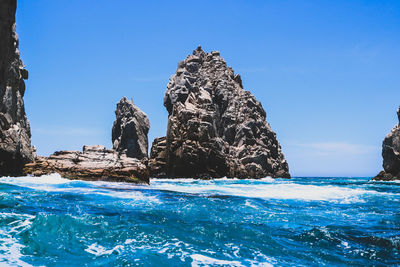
(398, 114)
(130, 129)
(198, 51)
(215, 127)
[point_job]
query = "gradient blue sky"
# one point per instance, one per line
(327, 72)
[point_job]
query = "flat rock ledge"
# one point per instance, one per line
(95, 163)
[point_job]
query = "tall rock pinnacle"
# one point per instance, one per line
(15, 134)
(130, 129)
(215, 127)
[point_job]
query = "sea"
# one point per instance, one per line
(304, 221)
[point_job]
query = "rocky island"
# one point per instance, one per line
(15, 133)
(215, 127)
(391, 155)
(127, 162)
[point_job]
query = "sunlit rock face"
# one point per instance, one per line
(130, 129)
(215, 127)
(15, 134)
(93, 163)
(391, 154)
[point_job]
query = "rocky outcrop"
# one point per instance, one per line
(15, 134)
(391, 154)
(94, 163)
(130, 129)
(127, 162)
(215, 127)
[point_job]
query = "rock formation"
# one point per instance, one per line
(126, 163)
(94, 163)
(391, 154)
(15, 134)
(130, 129)
(215, 127)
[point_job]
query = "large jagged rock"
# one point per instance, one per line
(130, 129)
(15, 134)
(94, 163)
(391, 154)
(215, 127)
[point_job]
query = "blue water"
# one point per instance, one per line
(51, 221)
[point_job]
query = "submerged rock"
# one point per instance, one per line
(15, 133)
(94, 163)
(130, 129)
(215, 127)
(391, 154)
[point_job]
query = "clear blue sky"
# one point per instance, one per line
(327, 72)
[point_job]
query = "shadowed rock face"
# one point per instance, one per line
(130, 129)
(391, 154)
(215, 127)
(15, 134)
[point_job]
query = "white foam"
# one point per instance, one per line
(268, 190)
(265, 188)
(54, 178)
(99, 250)
(201, 260)
(55, 183)
(10, 248)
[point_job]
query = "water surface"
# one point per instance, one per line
(51, 221)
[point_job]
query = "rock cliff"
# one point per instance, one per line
(130, 129)
(391, 154)
(15, 134)
(215, 127)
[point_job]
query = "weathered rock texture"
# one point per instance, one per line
(94, 163)
(158, 157)
(391, 154)
(215, 127)
(130, 129)
(15, 134)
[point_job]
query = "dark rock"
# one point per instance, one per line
(157, 162)
(391, 154)
(130, 129)
(15, 134)
(94, 163)
(215, 128)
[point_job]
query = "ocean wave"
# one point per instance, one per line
(265, 188)
(10, 247)
(56, 183)
(268, 190)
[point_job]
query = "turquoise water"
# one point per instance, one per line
(51, 221)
